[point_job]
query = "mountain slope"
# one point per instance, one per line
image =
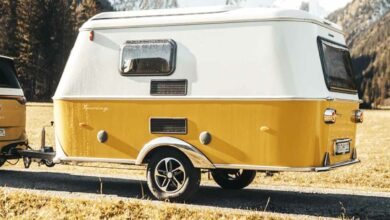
(371, 54)
(359, 15)
(367, 27)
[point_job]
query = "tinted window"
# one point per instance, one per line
(152, 57)
(7, 76)
(336, 62)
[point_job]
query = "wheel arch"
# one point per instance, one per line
(197, 158)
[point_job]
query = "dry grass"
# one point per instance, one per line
(39, 115)
(18, 204)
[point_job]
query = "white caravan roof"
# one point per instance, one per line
(200, 15)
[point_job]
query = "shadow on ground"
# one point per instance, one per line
(316, 204)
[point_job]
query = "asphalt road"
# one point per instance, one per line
(318, 203)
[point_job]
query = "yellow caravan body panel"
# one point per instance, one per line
(288, 133)
(13, 121)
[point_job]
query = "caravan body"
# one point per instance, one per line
(253, 89)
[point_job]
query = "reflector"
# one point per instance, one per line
(91, 35)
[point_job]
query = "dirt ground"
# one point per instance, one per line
(361, 190)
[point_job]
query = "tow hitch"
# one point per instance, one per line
(43, 156)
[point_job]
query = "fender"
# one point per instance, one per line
(60, 154)
(198, 159)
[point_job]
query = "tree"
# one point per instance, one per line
(8, 21)
(29, 34)
(88, 8)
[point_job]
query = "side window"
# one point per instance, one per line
(148, 57)
(7, 75)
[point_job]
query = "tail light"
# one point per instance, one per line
(330, 116)
(91, 35)
(358, 116)
(22, 100)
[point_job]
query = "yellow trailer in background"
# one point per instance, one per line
(12, 112)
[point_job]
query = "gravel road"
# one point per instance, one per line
(294, 200)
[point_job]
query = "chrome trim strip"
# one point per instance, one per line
(163, 15)
(100, 160)
(285, 169)
(11, 97)
(337, 165)
(331, 99)
(189, 98)
(311, 21)
(264, 168)
(347, 100)
(339, 89)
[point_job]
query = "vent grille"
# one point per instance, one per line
(168, 126)
(168, 87)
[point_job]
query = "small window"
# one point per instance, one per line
(7, 75)
(337, 67)
(149, 57)
(168, 125)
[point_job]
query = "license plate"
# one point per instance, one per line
(2, 132)
(342, 147)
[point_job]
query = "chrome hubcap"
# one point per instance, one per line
(233, 174)
(169, 175)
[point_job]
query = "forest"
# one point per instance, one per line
(40, 35)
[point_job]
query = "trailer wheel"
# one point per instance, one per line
(171, 176)
(49, 163)
(233, 179)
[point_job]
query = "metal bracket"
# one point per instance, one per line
(326, 160)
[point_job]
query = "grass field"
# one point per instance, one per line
(372, 174)
(27, 205)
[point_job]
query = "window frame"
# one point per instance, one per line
(172, 62)
(320, 41)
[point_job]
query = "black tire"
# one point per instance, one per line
(233, 179)
(49, 163)
(180, 184)
(2, 161)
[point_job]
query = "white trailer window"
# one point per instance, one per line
(148, 57)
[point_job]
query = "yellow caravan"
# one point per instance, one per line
(12, 112)
(230, 90)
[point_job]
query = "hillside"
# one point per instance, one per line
(367, 27)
